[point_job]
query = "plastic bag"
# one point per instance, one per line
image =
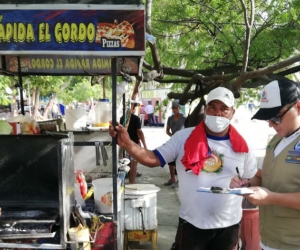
(5, 128)
(28, 124)
(80, 234)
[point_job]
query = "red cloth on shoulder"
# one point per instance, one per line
(196, 147)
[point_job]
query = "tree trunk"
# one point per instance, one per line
(36, 113)
(196, 116)
(104, 86)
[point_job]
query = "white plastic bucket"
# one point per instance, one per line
(75, 119)
(103, 194)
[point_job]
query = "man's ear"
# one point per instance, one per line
(233, 112)
(298, 107)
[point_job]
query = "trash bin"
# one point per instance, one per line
(140, 214)
(249, 232)
(140, 206)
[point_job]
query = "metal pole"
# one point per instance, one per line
(21, 86)
(28, 96)
(123, 111)
(114, 140)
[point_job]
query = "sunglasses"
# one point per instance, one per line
(277, 119)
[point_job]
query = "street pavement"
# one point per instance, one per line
(256, 133)
(167, 198)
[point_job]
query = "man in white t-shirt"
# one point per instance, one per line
(206, 155)
(149, 110)
(277, 186)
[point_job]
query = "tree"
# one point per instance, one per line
(82, 91)
(211, 43)
(68, 89)
(5, 82)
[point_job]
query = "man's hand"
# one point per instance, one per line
(236, 182)
(261, 196)
(121, 134)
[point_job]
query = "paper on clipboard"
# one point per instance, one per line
(217, 190)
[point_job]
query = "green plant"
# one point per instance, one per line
(81, 92)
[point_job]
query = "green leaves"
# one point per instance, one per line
(6, 82)
(201, 34)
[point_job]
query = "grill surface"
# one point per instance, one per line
(13, 214)
(27, 229)
(17, 223)
(36, 190)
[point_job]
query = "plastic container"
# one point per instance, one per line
(75, 119)
(103, 113)
(78, 196)
(103, 195)
(140, 206)
(80, 234)
(80, 179)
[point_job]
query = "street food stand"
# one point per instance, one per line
(67, 39)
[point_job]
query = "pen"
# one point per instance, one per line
(238, 172)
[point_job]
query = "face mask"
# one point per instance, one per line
(216, 124)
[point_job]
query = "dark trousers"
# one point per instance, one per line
(150, 119)
(54, 115)
(189, 237)
(156, 120)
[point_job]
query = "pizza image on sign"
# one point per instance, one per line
(115, 35)
(13, 64)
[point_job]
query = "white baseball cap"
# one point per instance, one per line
(222, 94)
(275, 95)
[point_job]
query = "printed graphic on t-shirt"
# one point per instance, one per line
(214, 162)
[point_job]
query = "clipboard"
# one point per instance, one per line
(219, 190)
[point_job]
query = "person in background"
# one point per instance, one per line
(88, 106)
(206, 155)
(142, 114)
(42, 110)
(54, 110)
(277, 185)
(149, 110)
(137, 110)
(175, 123)
(156, 113)
(136, 135)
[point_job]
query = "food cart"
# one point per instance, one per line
(67, 39)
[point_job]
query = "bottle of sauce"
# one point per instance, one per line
(80, 180)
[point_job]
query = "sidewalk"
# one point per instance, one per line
(167, 198)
